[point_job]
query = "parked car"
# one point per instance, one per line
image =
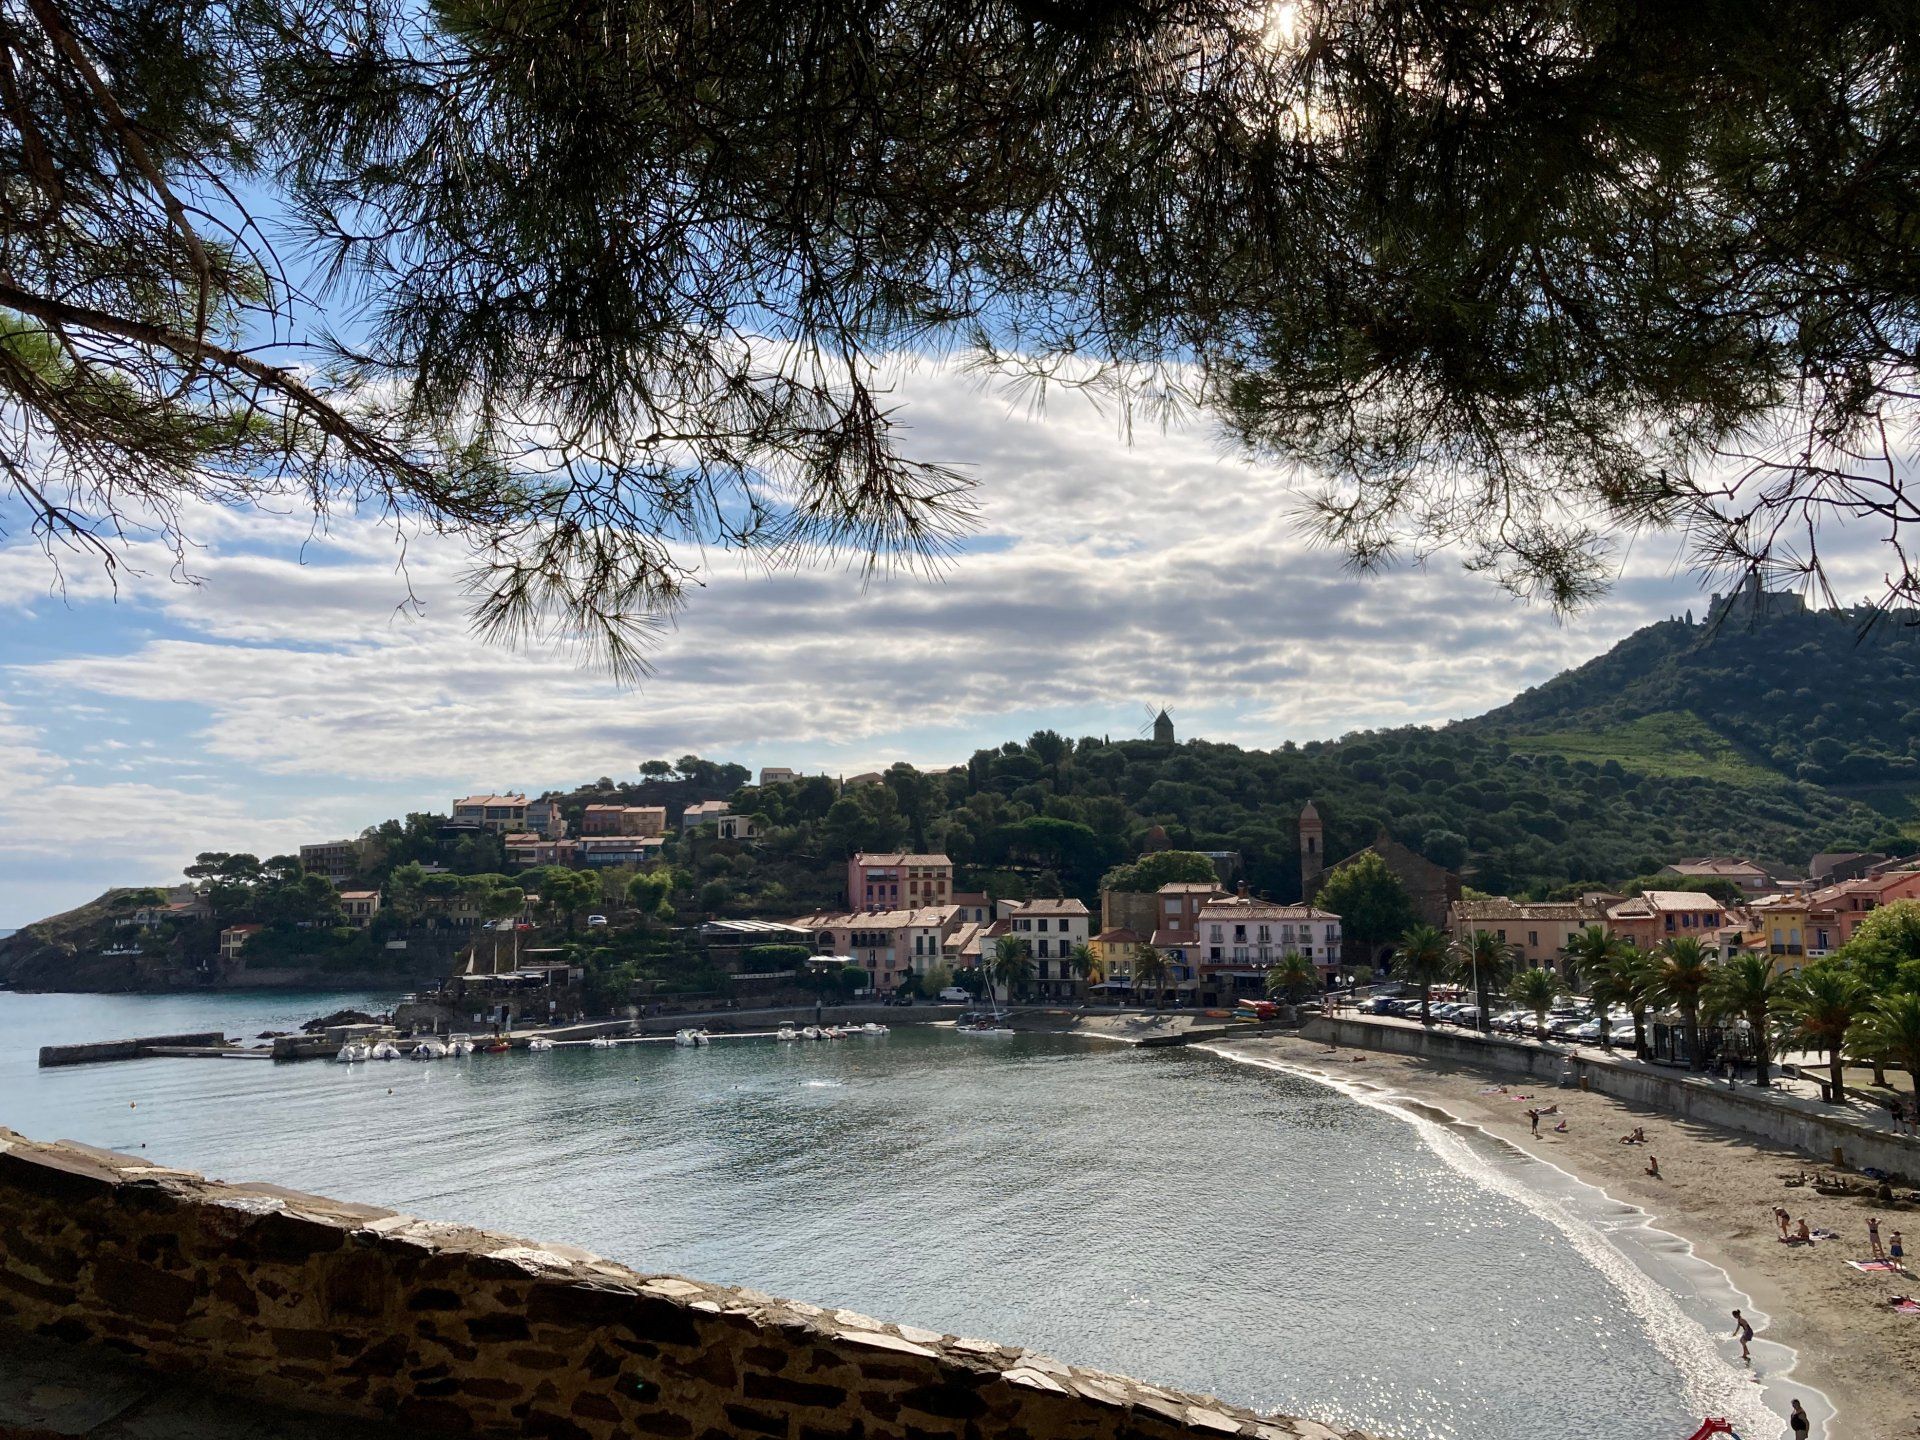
(596, 920)
(955, 994)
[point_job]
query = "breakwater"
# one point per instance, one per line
(133, 1048)
(365, 1312)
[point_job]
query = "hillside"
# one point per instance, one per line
(1828, 698)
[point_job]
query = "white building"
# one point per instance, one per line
(777, 775)
(1054, 928)
(1240, 939)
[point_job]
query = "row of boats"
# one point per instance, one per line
(828, 1032)
(431, 1048)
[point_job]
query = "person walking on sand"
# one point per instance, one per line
(1533, 1119)
(1798, 1422)
(1873, 1238)
(1745, 1333)
(1780, 1215)
(1895, 1251)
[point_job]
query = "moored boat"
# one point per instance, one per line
(428, 1050)
(385, 1050)
(787, 1032)
(690, 1038)
(600, 1042)
(813, 1032)
(539, 1042)
(352, 1053)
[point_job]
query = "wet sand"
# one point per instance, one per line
(1717, 1190)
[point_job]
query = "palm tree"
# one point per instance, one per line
(1630, 977)
(1745, 986)
(1484, 961)
(1292, 978)
(1536, 989)
(1892, 1028)
(1150, 968)
(1823, 1001)
(1421, 961)
(1682, 969)
(1591, 956)
(1012, 964)
(1085, 966)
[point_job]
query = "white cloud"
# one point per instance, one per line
(1108, 574)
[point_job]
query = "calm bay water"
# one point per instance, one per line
(1172, 1215)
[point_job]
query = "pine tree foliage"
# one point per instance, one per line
(611, 282)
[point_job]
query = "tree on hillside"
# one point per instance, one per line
(1745, 986)
(651, 893)
(1162, 867)
(1682, 970)
(1421, 960)
(1372, 904)
(1536, 989)
(1822, 1001)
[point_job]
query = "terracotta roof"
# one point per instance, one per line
(1050, 907)
(1168, 939)
(359, 894)
(1191, 887)
(1714, 865)
(1234, 908)
(491, 800)
(1501, 908)
(1119, 935)
(902, 859)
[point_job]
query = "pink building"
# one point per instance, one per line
(624, 820)
(898, 882)
(1853, 900)
(889, 945)
(1649, 920)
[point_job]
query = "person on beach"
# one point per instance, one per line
(1873, 1238)
(1895, 1251)
(1636, 1136)
(1745, 1332)
(1561, 1128)
(1782, 1219)
(1653, 1167)
(1802, 1235)
(1798, 1422)
(1533, 1119)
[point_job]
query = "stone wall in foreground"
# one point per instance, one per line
(362, 1311)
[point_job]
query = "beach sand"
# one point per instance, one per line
(1717, 1190)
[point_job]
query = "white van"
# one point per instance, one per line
(955, 993)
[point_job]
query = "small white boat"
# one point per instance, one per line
(600, 1042)
(460, 1045)
(813, 1032)
(690, 1038)
(539, 1042)
(870, 1028)
(385, 1050)
(428, 1050)
(351, 1053)
(786, 1032)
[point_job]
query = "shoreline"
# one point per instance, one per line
(1713, 1199)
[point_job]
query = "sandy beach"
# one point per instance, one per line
(1717, 1190)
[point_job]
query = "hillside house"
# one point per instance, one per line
(1538, 932)
(898, 881)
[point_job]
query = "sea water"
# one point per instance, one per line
(1173, 1215)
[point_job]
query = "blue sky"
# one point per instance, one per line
(291, 696)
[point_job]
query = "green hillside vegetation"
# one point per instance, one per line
(1671, 743)
(1831, 698)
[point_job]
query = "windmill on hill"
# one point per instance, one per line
(1158, 724)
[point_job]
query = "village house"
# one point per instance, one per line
(1053, 928)
(1537, 932)
(889, 945)
(500, 814)
(603, 852)
(1748, 875)
(1241, 938)
(974, 906)
(898, 881)
(529, 849)
(1650, 919)
(623, 820)
(1853, 900)
(1113, 949)
(777, 775)
(234, 939)
(1176, 934)
(361, 906)
(545, 818)
(704, 812)
(1790, 929)
(336, 860)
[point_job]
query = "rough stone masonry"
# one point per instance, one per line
(352, 1309)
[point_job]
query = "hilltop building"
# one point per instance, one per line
(337, 860)
(891, 881)
(624, 820)
(1751, 601)
(500, 814)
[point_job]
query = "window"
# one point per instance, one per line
(1173, 907)
(1240, 954)
(1266, 954)
(1265, 934)
(1213, 953)
(1043, 951)
(1214, 934)
(1502, 934)
(1239, 932)
(1533, 937)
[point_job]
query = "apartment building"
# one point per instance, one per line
(624, 820)
(1537, 932)
(1053, 928)
(898, 881)
(337, 860)
(1241, 938)
(501, 814)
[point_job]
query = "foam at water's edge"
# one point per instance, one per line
(1714, 1386)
